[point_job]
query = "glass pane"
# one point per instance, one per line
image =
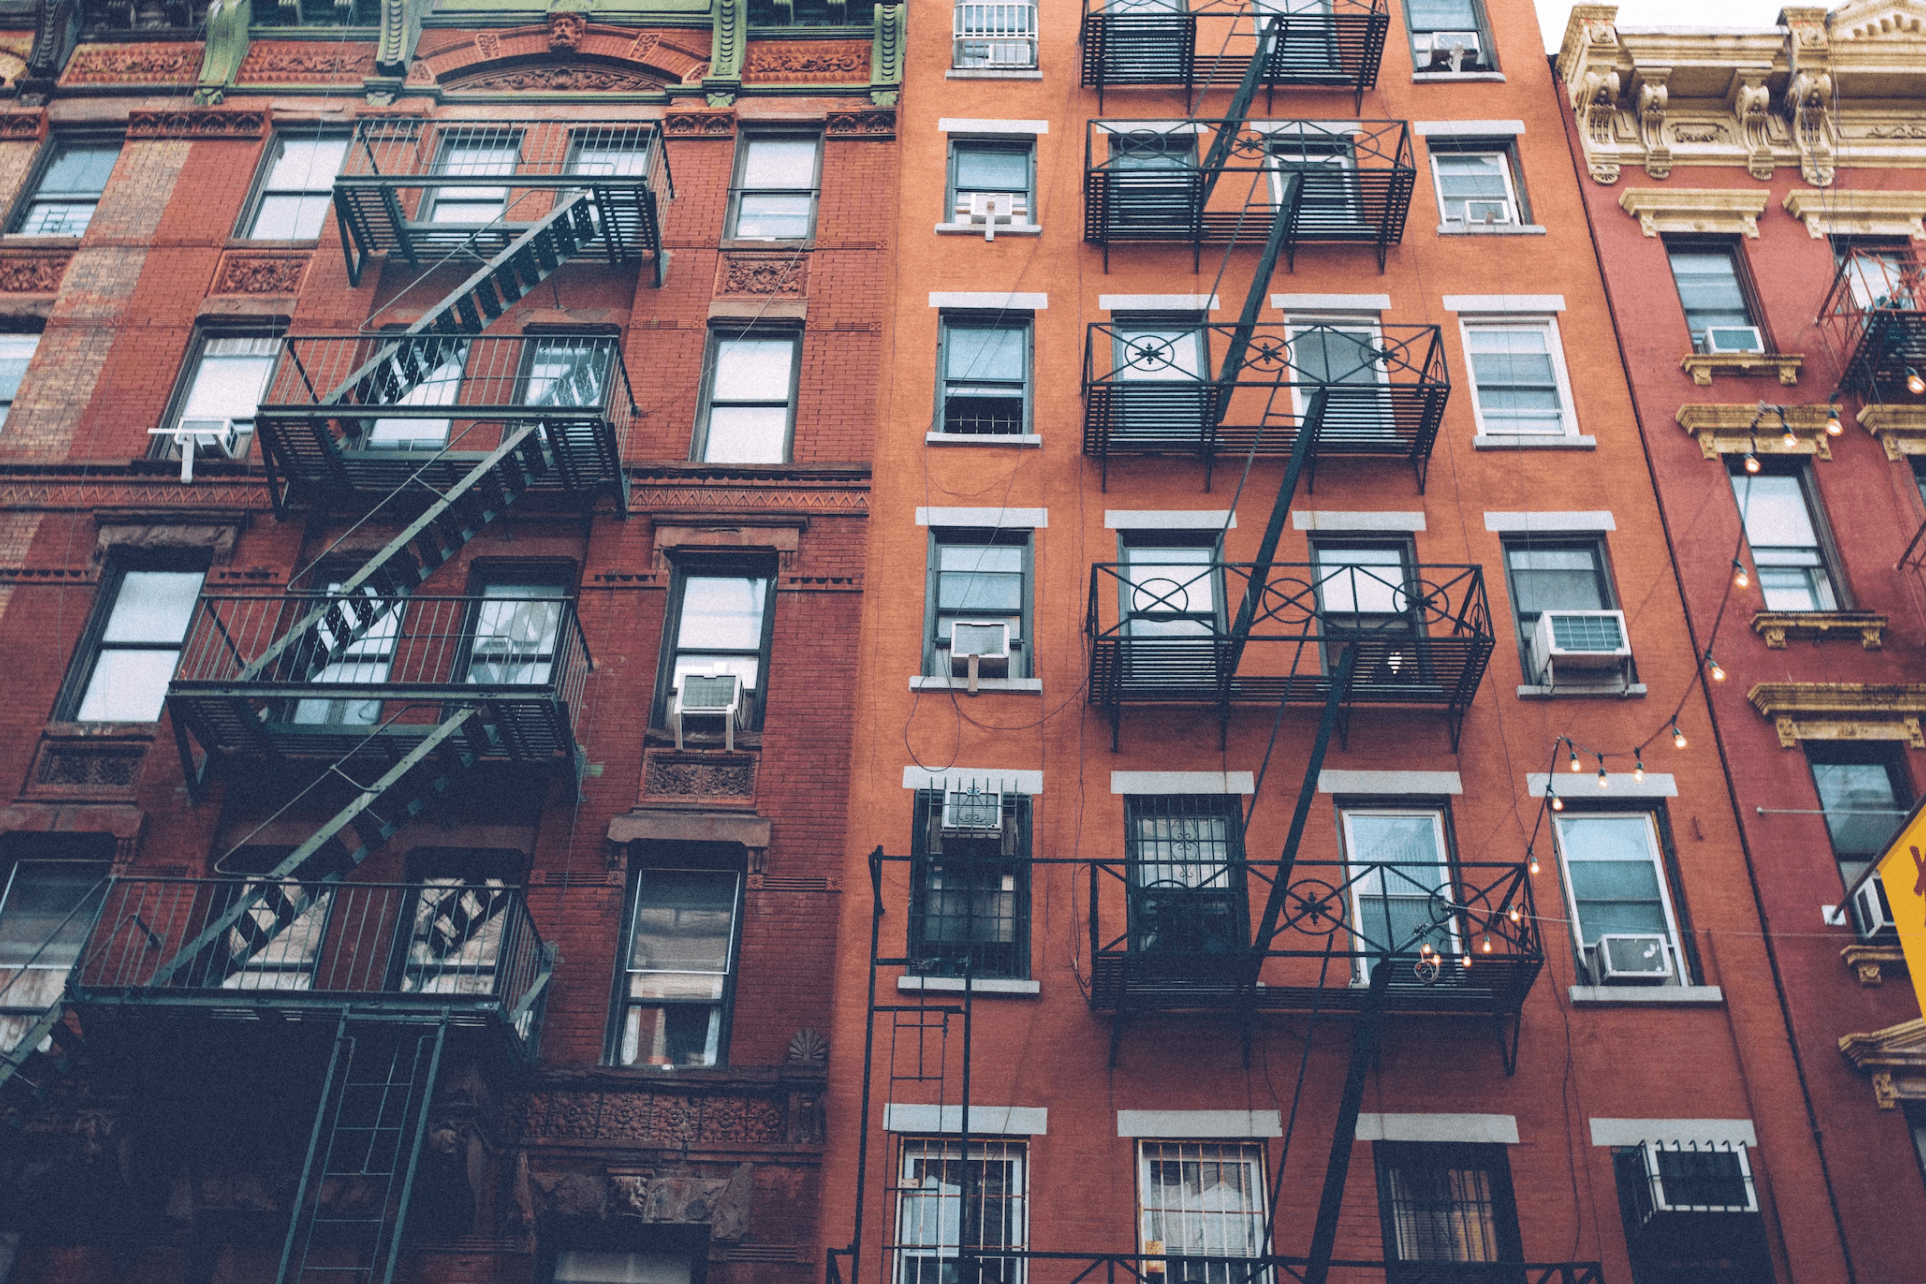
(561, 373)
(745, 667)
(576, 1266)
(153, 606)
(307, 164)
(290, 218)
(515, 633)
(979, 577)
(747, 435)
(1336, 356)
(227, 387)
(16, 350)
(57, 218)
(1443, 15)
(47, 912)
(79, 170)
(480, 156)
(1471, 175)
(1612, 864)
(1554, 579)
(1144, 150)
(992, 170)
(986, 352)
(780, 162)
(753, 369)
(684, 1034)
(608, 160)
(722, 613)
(1775, 510)
(128, 686)
(1862, 808)
(684, 921)
(1708, 284)
(1366, 581)
(773, 217)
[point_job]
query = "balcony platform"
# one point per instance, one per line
(1875, 314)
(1209, 44)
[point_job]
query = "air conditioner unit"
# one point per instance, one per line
(1593, 643)
(228, 437)
(1453, 49)
(1690, 1178)
(1631, 959)
(1733, 338)
(972, 811)
(1489, 211)
(979, 649)
(1872, 913)
(708, 695)
(989, 209)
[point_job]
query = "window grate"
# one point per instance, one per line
(971, 905)
(1200, 1202)
(940, 1214)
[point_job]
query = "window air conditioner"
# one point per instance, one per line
(1589, 642)
(979, 649)
(1872, 913)
(1733, 338)
(227, 437)
(708, 695)
(1452, 49)
(972, 811)
(1690, 1178)
(1489, 211)
(988, 209)
(1631, 959)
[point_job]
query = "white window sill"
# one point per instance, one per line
(1614, 995)
(978, 985)
(1457, 77)
(1491, 229)
(993, 73)
(1549, 441)
(937, 682)
(1636, 691)
(976, 229)
(983, 438)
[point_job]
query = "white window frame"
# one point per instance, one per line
(271, 159)
(1363, 322)
(1656, 850)
(1503, 153)
(946, 1242)
(1358, 893)
(1555, 348)
(1249, 1153)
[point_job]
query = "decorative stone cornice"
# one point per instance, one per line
(1687, 209)
(1900, 429)
(1776, 626)
(1872, 962)
(1743, 429)
(1895, 1058)
(1835, 213)
(1842, 711)
(1703, 365)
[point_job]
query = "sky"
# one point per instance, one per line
(1668, 13)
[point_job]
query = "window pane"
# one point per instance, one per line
(986, 352)
(773, 217)
(227, 387)
(753, 369)
(78, 170)
(307, 164)
(574, 1266)
(153, 606)
(47, 912)
(746, 435)
(1443, 15)
(992, 170)
(979, 577)
(722, 613)
(128, 686)
(608, 160)
(1614, 875)
(1374, 587)
(1516, 383)
(1471, 175)
(1158, 352)
(1708, 282)
(780, 162)
(1336, 356)
(565, 373)
(1775, 510)
(684, 920)
(1444, 1210)
(1862, 808)
(16, 351)
(1555, 579)
(290, 218)
(57, 218)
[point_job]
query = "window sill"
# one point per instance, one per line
(1457, 77)
(937, 682)
(1599, 996)
(1527, 691)
(993, 73)
(1491, 229)
(266, 243)
(1549, 441)
(28, 239)
(974, 229)
(983, 438)
(978, 985)
(764, 242)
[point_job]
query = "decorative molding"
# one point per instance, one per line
(25, 272)
(1703, 365)
(1776, 626)
(89, 767)
(887, 46)
(16, 125)
(1653, 97)
(762, 275)
(699, 776)
(1842, 711)
(196, 122)
(1900, 429)
(699, 124)
(1871, 963)
(676, 1117)
(260, 274)
(158, 490)
(134, 64)
(1833, 213)
(1684, 209)
(729, 40)
(1895, 1057)
(306, 62)
(808, 62)
(870, 122)
(1730, 429)
(560, 78)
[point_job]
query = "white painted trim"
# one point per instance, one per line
(1389, 782)
(1533, 441)
(1019, 782)
(1168, 519)
(944, 682)
(1149, 127)
(1614, 996)
(1554, 347)
(1189, 1124)
(1331, 521)
(1182, 782)
(989, 300)
(1158, 302)
(1477, 1130)
(1331, 302)
(982, 439)
(1004, 1121)
(1539, 303)
(978, 985)
(1630, 1132)
(1533, 522)
(1578, 786)
(1467, 128)
(1008, 519)
(965, 125)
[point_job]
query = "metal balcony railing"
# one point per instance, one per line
(158, 17)
(390, 668)
(1148, 389)
(1336, 44)
(319, 13)
(995, 36)
(989, 1265)
(1875, 314)
(359, 415)
(471, 948)
(1144, 181)
(1164, 633)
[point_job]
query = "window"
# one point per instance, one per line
(1173, 582)
(1616, 882)
(1364, 597)
(985, 388)
(1332, 199)
(1187, 882)
(678, 965)
(775, 194)
(125, 660)
(1160, 367)
(1518, 383)
(720, 621)
(1347, 356)
(296, 188)
(1553, 575)
(1880, 274)
(995, 33)
(47, 909)
(1399, 880)
(992, 169)
(752, 390)
(566, 371)
(1477, 184)
(1441, 1202)
(517, 625)
(16, 353)
(266, 949)
(1865, 795)
(470, 153)
(1691, 1213)
(445, 361)
(226, 376)
(1202, 1200)
(68, 190)
(971, 901)
(1711, 283)
(944, 1203)
(1448, 36)
(1783, 526)
(1152, 185)
(619, 153)
(978, 576)
(362, 661)
(462, 918)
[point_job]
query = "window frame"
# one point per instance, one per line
(458, 134)
(1734, 250)
(675, 859)
(711, 366)
(1555, 352)
(55, 146)
(1439, 811)
(1004, 144)
(90, 645)
(94, 852)
(1506, 150)
(258, 193)
(1438, 1156)
(1487, 52)
(950, 321)
(1151, 539)
(1664, 852)
(8, 396)
(1831, 565)
(1562, 542)
(714, 563)
(909, 1193)
(165, 447)
(930, 852)
(1252, 1154)
(1143, 922)
(1886, 754)
(1022, 646)
(745, 141)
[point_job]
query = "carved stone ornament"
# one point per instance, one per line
(665, 1117)
(1894, 1057)
(1842, 711)
(1758, 430)
(1872, 963)
(763, 275)
(567, 78)
(565, 31)
(83, 769)
(32, 273)
(1703, 365)
(1850, 213)
(134, 64)
(22, 124)
(1865, 627)
(196, 123)
(306, 62)
(808, 61)
(1732, 212)
(717, 777)
(1809, 106)
(1652, 99)
(699, 124)
(1900, 429)
(809, 1046)
(261, 274)
(873, 122)
(1752, 111)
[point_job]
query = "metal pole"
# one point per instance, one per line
(1274, 903)
(1364, 1047)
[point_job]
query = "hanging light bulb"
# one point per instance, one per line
(1833, 425)
(1914, 384)
(1558, 804)
(1740, 579)
(1638, 767)
(1604, 781)
(1791, 438)
(1517, 915)
(1678, 737)
(1712, 667)
(1464, 960)
(1576, 765)
(1751, 462)
(1486, 947)
(1532, 862)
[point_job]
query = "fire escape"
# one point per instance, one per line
(383, 695)
(1360, 942)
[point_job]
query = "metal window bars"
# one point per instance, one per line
(970, 907)
(1202, 1205)
(954, 1226)
(1000, 35)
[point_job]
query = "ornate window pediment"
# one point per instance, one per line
(1842, 711)
(1895, 1058)
(1835, 213)
(1685, 209)
(1739, 429)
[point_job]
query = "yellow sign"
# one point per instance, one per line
(1903, 870)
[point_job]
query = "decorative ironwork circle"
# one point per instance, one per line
(1148, 597)
(1313, 907)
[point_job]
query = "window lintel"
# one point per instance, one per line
(1715, 210)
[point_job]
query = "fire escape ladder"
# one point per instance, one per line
(1238, 112)
(351, 1208)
